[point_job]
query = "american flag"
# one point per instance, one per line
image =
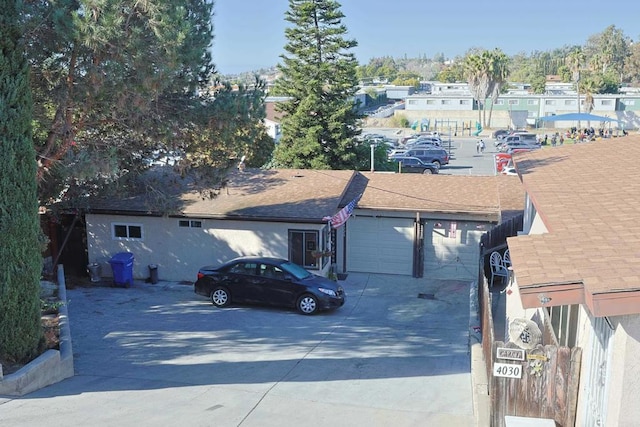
(341, 217)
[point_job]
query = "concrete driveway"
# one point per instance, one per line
(397, 353)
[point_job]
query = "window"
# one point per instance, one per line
(412, 102)
(271, 272)
(126, 231)
(514, 102)
(532, 102)
(431, 101)
(248, 268)
(445, 101)
(189, 223)
(465, 102)
(500, 102)
(550, 102)
(302, 244)
(564, 322)
(569, 102)
(629, 102)
(606, 102)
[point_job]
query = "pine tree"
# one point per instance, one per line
(21, 261)
(319, 78)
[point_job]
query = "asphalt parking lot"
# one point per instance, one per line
(464, 157)
(397, 353)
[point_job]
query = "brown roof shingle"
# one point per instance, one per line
(489, 195)
(588, 196)
(300, 194)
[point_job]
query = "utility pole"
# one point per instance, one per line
(577, 79)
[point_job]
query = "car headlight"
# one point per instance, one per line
(329, 292)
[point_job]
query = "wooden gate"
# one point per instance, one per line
(548, 387)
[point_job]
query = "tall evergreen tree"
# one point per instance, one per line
(20, 330)
(113, 80)
(319, 77)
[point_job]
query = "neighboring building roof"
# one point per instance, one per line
(272, 113)
(588, 197)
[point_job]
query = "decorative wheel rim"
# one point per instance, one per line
(220, 297)
(307, 305)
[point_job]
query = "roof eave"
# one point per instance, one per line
(552, 294)
(615, 303)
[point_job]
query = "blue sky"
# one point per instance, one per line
(249, 34)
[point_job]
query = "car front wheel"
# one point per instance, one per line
(427, 171)
(307, 304)
(220, 296)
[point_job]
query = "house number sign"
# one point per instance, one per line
(507, 370)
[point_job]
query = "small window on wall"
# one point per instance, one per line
(189, 223)
(302, 245)
(126, 231)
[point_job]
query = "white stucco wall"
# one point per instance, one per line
(624, 373)
(180, 251)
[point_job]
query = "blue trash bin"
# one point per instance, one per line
(122, 266)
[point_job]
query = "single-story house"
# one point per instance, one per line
(576, 267)
(403, 223)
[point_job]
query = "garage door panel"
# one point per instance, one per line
(380, 245)
(453, 258)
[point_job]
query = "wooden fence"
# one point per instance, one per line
(550, 374)
(548, 387)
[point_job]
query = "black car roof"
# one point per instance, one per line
(270, 260)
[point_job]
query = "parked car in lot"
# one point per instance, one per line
(424, 140)
(396, 152)
(415, 165)
(434, 155)
(500, 133)
(511, 146)
(268, 281)
(509, 170)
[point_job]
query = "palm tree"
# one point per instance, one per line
(476, 71)
(574, 61)
(486, 73)
(499, 72)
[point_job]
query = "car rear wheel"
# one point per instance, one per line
(307, 304)
(220, 296)
(427, 171)
(436, 163)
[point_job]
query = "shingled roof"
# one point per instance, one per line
(304, 195)
(588, 197)
(493, 197)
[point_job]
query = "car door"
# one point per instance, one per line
(408, 165)
(276, 287)
(242, 280)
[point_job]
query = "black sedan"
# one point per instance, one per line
(270, 281)
(415, 165)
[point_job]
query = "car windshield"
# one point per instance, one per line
(294, 269)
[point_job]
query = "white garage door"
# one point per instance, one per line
(380, 245)
(451, 253)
